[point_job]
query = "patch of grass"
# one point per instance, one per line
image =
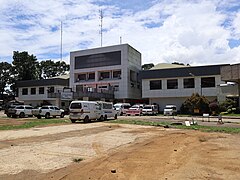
(234, 115)
(34, 123)
(231, 130)
(138, 122)
(77, 160)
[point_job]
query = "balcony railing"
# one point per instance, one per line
(90, 92)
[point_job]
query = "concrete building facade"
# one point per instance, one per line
(175, 85)
(114, 68)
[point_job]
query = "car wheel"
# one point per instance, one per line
(8, 115)
(105, 117)
(47, 116)
(86, 119)
(101, 118)
(115, 117)
(73, 120)
(39, 117)
(62, 115)
(22, 115)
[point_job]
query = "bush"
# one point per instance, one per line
(195, 102)
(228, 106)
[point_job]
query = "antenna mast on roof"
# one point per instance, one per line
(101, 26)
(61, 47)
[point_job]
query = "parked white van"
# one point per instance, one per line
(121, 108)
(107, 110)
(150, 110)
(170, 110)
(84, 110)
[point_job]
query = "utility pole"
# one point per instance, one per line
(61, 46)
(101, 26)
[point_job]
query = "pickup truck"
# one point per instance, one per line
(20, 111)
(48, 111)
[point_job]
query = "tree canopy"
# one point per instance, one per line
(147, 66)
(26, 67)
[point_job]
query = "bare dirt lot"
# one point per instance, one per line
(92, 151)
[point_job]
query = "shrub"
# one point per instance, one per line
(195, 102)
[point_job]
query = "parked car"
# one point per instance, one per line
(20, 111)
(84, 110)
(48, 111)
(135, 110)
(150, 110)
(121, 108)
(107, 110)
(11, 105)
(170, 110)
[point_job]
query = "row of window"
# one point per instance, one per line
(116, 74)
(187, 83)
(33, 91)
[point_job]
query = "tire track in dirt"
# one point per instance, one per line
(57, 136)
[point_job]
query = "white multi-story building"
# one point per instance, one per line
(114, 68)
(174, 85)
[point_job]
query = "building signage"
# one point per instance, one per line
(66, 95)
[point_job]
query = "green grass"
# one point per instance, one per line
(234, 115)
(138, 122)
(34, 123)
(231, 130)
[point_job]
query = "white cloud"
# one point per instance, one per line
(168, 31)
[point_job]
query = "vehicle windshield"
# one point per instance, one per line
(117, 106)
(76, 106)
(147, 107)
(135, 106)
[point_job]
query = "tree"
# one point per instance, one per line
(25, 66)
(147, 66)
(50, 69)
(195, 102)
(5, 76)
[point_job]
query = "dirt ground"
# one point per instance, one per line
(111, 151)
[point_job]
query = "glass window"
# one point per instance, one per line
(98, 60)
(188, 83)
(117, 74)
(76, 106)
(24, 91)
(156, 84)
(208, 82)
(33, 90)
(82, 77)
(50, 89)
(41, 90)
(91, 76)
(104, 75)
(172, 84)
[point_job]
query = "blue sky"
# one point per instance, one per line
(195, 32)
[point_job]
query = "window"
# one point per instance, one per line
(172, 84)
(75, 106)
(24, 91)
(117, 74)
(41, 90)
(91, 76)
(157, 84)
(33, 90)
(82, 77)
(104, 75)
(208, 82)
(188, 83)
(98, 60)
(50, 89)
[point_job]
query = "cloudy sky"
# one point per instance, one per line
(195, 32)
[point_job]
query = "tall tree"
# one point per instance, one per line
(25, 66)
(5, 76)
(50, 68)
